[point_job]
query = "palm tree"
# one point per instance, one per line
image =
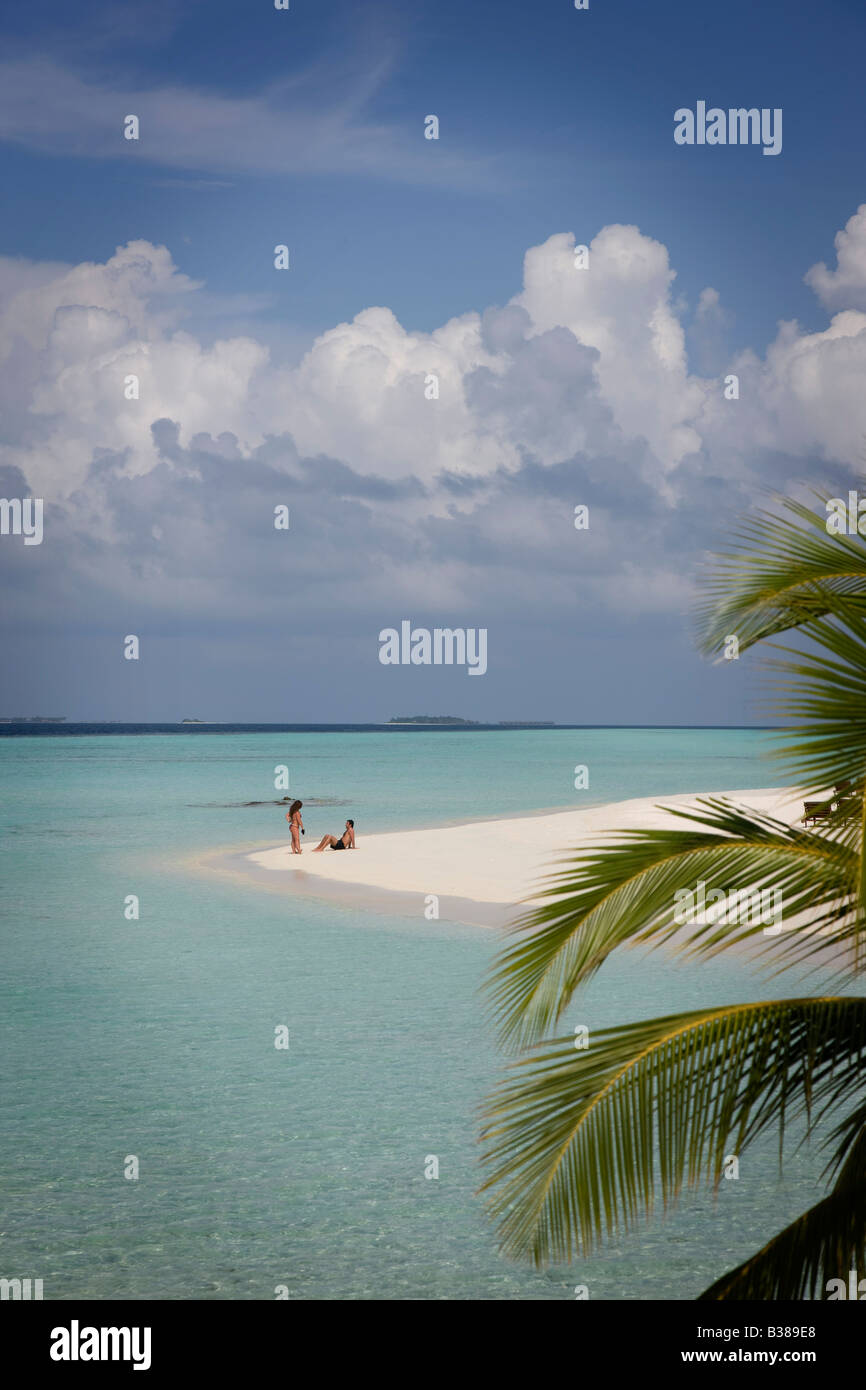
(581, 1144)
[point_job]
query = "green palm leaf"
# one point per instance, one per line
(780, 576)
(627, 893)
(795, 576)
(582, 1143)
(823, 695)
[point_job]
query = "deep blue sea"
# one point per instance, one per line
(154, 1038)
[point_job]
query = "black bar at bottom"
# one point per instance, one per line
(173, 1338)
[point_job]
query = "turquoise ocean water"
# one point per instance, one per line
(304, 1168)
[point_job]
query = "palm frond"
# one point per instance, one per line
(631, 892)
(581, 1144)
(821, 694)
(781, 575)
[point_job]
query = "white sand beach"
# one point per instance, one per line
(498, 862)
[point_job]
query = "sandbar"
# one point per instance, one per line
(478, 871)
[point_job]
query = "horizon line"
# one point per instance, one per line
(508, 724)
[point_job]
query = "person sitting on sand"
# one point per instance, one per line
(293, 816)
(346, 840)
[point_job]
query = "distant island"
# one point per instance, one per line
(430, 719)
(193, 721)
(34, 719)
(453, 719)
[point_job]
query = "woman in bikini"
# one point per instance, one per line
(346, 840)
(293, 816)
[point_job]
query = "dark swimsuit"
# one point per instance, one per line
(339, 844)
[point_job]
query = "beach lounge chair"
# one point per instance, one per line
(820, 810)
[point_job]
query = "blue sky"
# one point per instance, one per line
(305, 127)
(566, 116)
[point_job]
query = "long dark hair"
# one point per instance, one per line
(295, 806)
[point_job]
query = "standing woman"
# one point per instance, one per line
(293, 816)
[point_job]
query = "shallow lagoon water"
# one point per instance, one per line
(304, 1168)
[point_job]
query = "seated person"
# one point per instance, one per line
(346, 840)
